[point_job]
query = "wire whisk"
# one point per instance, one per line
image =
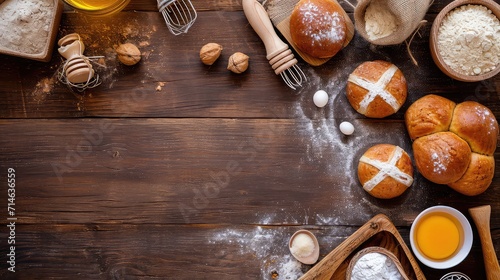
(280, 56)
(179, 15)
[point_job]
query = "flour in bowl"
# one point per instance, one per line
(469, 40)
(25, 25)
(375, 266)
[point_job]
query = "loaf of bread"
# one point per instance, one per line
(453, 143)
(385, 171)
(376, 89)
(318, 28)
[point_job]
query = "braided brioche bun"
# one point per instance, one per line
(453, 143)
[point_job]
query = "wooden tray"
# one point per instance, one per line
(379, 231)
(284, 28)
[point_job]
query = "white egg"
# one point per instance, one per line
(347, 128)
(320, 98)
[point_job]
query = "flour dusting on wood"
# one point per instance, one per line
(268, 245)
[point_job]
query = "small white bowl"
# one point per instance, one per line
(313, 257)
(464, 246)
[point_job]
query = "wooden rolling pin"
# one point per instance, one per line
(481, 217)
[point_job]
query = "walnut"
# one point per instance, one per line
(238, 63)
(210, 52)
(128, 54)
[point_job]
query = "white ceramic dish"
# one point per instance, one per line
(464, 246)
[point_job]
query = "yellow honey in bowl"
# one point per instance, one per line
(438, 236)
(98, 7)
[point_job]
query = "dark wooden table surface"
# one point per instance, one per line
(171, 169)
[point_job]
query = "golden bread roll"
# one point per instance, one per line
(478, 176)
(429, 114)
(376, 89)
(318, 27)
(453, 143)
(477, 125)
(441, 157)
(385, 171)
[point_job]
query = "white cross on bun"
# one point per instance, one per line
(377, 89)
(385, 171)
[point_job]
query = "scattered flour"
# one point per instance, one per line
(379, 21)
(25, 25)
(469, 40)
(268, 245)
(439, 165)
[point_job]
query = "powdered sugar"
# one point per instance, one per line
(313, 17)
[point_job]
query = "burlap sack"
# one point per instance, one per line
(279, 10)
(408, 14)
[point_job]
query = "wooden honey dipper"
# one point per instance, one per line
(279, 54)
(77, 68)
(481, 217)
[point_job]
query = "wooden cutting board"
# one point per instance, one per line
(284, 28)
(379, 231)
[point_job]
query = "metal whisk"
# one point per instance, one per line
(178, 14)
(279, 54)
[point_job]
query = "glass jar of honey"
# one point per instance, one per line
(98, 7)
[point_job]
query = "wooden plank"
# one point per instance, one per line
(96, 251)
(130, 181)
(162, 85)
(207, 171)
(235, 5)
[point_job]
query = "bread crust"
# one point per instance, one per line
(318, 27)
(429, 114)
(381, 105)
(441, 157)
(477, 125)
(478, 176)
(389, 187)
